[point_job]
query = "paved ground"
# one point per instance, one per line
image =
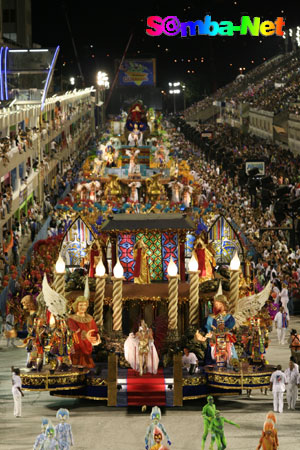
(96, 427)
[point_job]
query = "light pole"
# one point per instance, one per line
(174, 91)
(102, 83)
(184, 99)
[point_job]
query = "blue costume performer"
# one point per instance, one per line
(63, 431)
(50, 443)
(41, 437)
(218, 326)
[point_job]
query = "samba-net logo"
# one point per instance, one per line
(171, 26)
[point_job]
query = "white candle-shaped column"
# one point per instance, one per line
(117, 296)
(234, 283)
(100, 291)
(59, 279)
(173, 295)
(194, 291)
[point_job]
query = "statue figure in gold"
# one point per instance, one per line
(141, 270)
(154, 187)
(112, 187)
(244, 286)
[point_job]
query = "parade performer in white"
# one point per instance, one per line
(292, 375)
(140, 351)
(277, 385)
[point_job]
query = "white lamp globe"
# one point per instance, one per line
(172, 268)
(60, 265)
(100, 269)
(193, 264)
(235, 262)
(118, 270)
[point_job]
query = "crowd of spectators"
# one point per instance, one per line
(276, 91)
(27, 227)
(219, 165)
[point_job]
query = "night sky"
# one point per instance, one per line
(102, 29)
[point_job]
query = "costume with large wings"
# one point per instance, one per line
(250, 306)
(56, 303)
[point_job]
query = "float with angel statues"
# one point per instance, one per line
(143, 299)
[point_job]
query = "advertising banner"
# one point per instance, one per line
(138, 72)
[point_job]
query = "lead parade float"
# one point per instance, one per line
(141, 274)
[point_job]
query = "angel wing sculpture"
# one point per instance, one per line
(249, 306)
(56, 303)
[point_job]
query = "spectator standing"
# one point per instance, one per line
(15, 250)
(292, 375)
(33, 228)
(277, 385)
(17, 392)
(284, 296)
(281, 321)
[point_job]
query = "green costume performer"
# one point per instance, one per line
(217, 430)
(208, 414)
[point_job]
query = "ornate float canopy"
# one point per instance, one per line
(77, 237)
(225, 240)
(144, 222)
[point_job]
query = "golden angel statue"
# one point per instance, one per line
(154, 187)
(141, 272)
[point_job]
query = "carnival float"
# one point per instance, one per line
(138, 274)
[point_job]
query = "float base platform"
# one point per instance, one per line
(131, 388)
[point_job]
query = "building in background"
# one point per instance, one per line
(16, 22)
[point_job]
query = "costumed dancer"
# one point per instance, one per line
(61, 343)
(256, 339)
(158, 437)
(42, 436)
(39, 339)
(268, 439)
(140, 351)
(30, 306)
(50, 443)
(219, 325)
(134, 194)
(63, 430)
(132, 161)
(141, 271)
(208, 414)
(135, 138)
(217, 430)
(176, 190)
(271, 417)
(155, 416)
(187, 192)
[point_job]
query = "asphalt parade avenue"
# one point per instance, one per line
(98, 427)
